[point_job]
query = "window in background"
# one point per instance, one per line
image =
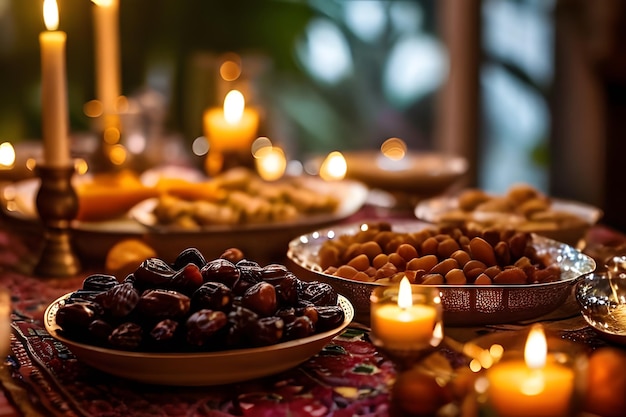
(518, 38)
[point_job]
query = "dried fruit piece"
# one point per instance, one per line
(126, 336)
(203, 324)
(161, 304)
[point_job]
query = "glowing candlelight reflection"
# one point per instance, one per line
(334, 167)
(7, 155)
(270, 163)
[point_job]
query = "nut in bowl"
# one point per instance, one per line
(522, 208)
(534, 279)
(602, 299)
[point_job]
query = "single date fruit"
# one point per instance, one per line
(260, 298)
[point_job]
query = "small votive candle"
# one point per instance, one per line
(406, 317)
(539, 384)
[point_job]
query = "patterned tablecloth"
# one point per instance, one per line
(41, 377)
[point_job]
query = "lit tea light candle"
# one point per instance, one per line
(403, 324)
(334, 167)
(108, 86)
(55, 116)
(535, 386)
(232, 128)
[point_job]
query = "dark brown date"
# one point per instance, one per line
(126, 336)
(120, 300)
(267, 331)
(162, 304)
(76, 316)
(212, 296)
(189, 256)
(318, 293)
(301, 327)
(241, 321)
(164, 331)
(99, 282)
(187, 279)
(203, 324)
(220, 270)
(287, 290)
(274, 273)
(249, 275)
(153, 273)
(100, 330)
(260, 298)
(232, 254)
(329, 317)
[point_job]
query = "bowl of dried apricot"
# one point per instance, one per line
(486, 277)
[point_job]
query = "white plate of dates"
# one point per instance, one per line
(197, 322)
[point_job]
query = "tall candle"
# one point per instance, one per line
(233, 127)
(55, 117)
(403, 325)
(535, 386)
(106, 22)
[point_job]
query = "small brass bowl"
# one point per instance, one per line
(602, 298)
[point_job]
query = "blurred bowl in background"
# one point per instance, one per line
(562, 220)
(415, 176)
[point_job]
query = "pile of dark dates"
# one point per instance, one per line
(195, 305)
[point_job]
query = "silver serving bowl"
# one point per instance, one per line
(463, 305)
(602, 299)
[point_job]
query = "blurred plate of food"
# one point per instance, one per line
(236, 208)
(522, 207)
(405, 178)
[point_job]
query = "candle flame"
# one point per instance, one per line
(234, 105)
(102, 3)
(51, 14)
(536, 349)
(334, 167)
(7, 154)
(405, 297)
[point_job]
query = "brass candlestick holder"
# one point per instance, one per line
(57, 204)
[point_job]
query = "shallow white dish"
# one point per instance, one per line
(195, 369)
(263, 242)
(463, 305)
(433, 209)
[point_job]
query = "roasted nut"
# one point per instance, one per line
(482, 251)
(511, 276)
